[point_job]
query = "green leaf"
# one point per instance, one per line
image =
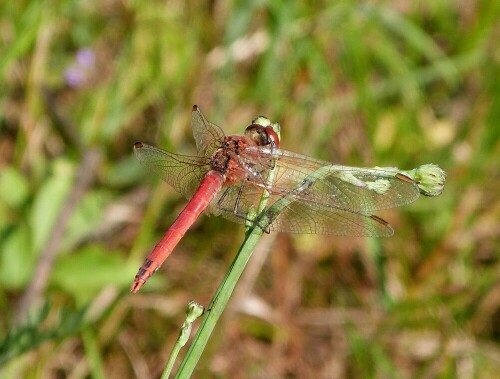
(87, 218)
(16, 259)
(125, 172)
(48, 202)
(14, 188)
(26, 34)
(84, 273)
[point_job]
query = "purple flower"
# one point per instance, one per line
(78, 72)
(85, 58)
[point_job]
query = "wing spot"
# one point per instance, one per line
(404, 178)
(379, 220)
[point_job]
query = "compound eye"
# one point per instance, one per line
(272, 137)
(257, 134)
(262, 135)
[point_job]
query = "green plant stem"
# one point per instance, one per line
(219, 303)
(194, 310)
(171, 361)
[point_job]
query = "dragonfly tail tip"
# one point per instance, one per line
(136, 286)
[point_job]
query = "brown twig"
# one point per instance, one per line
(83, 180)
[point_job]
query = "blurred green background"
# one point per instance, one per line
(364, 84)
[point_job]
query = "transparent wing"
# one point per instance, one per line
(208, 136)
(296, 216)
(316, 196)
(344, 187)
(184, 173)
(314, 218)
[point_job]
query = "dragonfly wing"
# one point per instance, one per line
(184, 173)
(313, 196)
(208, 136)
(315, 218)
(235, 202)
(359, 190)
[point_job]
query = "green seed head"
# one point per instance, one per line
(430, 179)
(194, 310)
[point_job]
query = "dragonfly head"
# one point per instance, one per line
(262, 133)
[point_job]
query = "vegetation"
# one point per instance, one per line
(359, 83)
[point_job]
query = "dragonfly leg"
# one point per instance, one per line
(232, 209)
(222, 198)
(238, 199)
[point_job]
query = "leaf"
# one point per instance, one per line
(84, 273)
(48, 202)
(86, 219)
(14, 188)
(16, 259)
(125, 172)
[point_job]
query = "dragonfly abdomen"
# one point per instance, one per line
(209, 187)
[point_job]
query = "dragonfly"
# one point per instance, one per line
(229, 174)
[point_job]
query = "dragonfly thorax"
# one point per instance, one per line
(226, 158)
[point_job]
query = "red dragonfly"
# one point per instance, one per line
(230, 173)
